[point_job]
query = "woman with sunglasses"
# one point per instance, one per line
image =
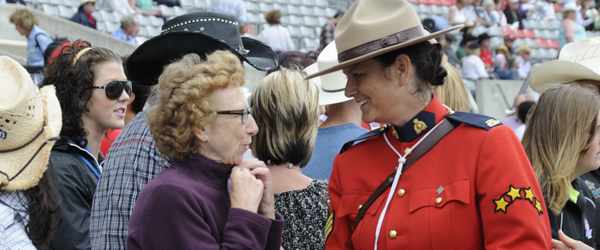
(203, 124)
(93, 93)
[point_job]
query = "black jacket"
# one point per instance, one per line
(76, 184)
(577, 221)
(591, 180)
(510, 19)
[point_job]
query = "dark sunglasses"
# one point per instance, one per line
(114, 89)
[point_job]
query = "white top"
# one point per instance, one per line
(499, 18)
(473, 68)
(524, 67)
(459, 16)
(121, 6)
(470, 13)
(549, 11)
(12, 232)
(278, 38)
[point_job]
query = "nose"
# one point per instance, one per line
(124, 97)
(351, 89)
(251, 127)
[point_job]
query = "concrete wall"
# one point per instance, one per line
(495, 98)
(11, 41)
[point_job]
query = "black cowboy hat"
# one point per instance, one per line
(482, 37)
(201, 33)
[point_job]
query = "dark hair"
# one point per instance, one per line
(44, 203)
(339, 13)
(73, 84)
(524, 108)
(427, 60)
(273, 17)
(52, 47)
(295, 60)
(142, 92)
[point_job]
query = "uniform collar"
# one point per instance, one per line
(421, 123)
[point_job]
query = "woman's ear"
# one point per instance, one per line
(131, 98)
(402, 69)
(202, 133)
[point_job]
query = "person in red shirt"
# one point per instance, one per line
(486, 55)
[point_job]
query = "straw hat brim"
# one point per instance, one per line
(383, 51)
(37, 153)
(557, 72)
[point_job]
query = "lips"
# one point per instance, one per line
(120, 112)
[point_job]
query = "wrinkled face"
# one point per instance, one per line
(373, 87)
(105, 113)
(589, 160)
(132, 31)
(225, 139)
(89, 7)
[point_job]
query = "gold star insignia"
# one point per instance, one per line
(529, 195)
(492, 122)
(419, 126)
(514, 193)
(538, 206)
(501, 204)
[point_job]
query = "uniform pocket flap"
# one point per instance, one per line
(454, 191)
(349, 203)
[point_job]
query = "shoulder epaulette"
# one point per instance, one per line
(364, 136)
(475, 120)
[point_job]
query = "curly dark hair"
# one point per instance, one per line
(73, 79)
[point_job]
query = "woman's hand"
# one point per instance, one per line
(567, 243)
(246, 190)
(261, 172)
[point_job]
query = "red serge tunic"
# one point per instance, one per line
(489, 199)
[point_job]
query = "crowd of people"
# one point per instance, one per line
(168, 149)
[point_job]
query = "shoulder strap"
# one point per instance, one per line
(421, 150)
(37, 44)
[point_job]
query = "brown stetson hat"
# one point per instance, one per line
(374, 27)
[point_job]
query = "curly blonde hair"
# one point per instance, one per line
(186, 86)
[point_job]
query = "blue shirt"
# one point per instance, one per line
(235, 8)
(121, 35)
(329, 142)
(35, 54)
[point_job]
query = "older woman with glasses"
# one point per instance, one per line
(203, 123)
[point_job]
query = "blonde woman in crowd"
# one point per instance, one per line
(286, 109)
(203, 123)
(562, 142)
(37, 39)
(276, 36)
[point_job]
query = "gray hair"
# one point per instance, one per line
(128, 20)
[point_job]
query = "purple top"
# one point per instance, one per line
(187, 207)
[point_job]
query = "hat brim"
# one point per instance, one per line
(37, 153)
(557, 72)
(146, 63)
(383, 51)
(326, 97)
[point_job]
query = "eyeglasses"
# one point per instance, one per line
(244, 112)
(114, 89)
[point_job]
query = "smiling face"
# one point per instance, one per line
(589, 160)
(105, 113)
(381, 92)
(225, 139)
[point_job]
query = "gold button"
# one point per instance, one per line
(438, 200)
(359, 207)
(401, 192)
(393, 234)
(450, 112)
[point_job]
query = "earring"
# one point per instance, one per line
(205, 138)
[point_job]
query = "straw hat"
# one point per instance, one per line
(468, 24)
(331, 86)
(569, 7)
(30, 119)
(579, 60)
(524, 48)
(374, 27)
(503, 48)
(82, 2)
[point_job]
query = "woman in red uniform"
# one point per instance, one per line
(473, 189)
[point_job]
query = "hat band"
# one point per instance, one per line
(372, 46)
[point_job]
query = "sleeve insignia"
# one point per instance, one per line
(492, 122)
(329, 224)
(513, 194)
